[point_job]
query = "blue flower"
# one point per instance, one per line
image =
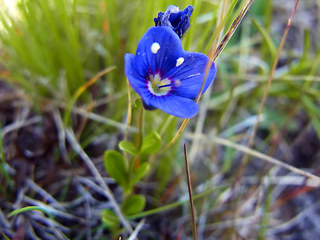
(164, 75)
(179, 21)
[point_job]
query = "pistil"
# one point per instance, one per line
(158, 86)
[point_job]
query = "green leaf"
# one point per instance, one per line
(5, 236)
(151, 143)
(139, 173)
(133, 204)
(109, 219)
(316, 125)
(307, 43)
(115, 165)
(30, 208)
(313, 112)
(272, 48)
(228, 160)
(312, 108)
(128, 147)
(138, 103)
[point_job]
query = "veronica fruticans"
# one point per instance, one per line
(164, 75)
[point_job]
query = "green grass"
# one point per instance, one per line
(52, 49)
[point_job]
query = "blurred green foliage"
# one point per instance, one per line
(52, 48)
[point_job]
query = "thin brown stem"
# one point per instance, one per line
(213, 56)
(231, 30)
(265, 94)
(193, 216)
(213, 46)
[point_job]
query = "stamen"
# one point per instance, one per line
(168, 85)
(158, 86)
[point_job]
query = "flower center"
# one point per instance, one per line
(158, 86)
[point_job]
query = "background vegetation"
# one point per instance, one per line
(73, 168)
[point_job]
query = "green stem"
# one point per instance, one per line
(140, 127)
(174, 205)
(193, 215)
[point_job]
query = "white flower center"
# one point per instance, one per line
(158, 86)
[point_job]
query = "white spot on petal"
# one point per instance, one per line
(180, 60)
(177, 83)
(193, 75)
(155, 47)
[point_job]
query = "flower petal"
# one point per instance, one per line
(157, 51)
(137, 81)
(175, 105)
(189, 73)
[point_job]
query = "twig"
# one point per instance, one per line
(44, 194)
(61, 134)
(246, 221)
(4, 223)
(136, 231)
(91, 184)
(104, 120)
(247, 150)
(193, 217)
(51, 210)
(19, 124)
(77, 148)
(308, 213)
